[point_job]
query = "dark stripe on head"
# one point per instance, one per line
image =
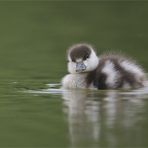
(79, 51)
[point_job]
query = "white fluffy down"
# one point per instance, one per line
(133, 68)
(112, 74)
(74, 81)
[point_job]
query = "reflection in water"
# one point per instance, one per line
(104, 118)
(82, 117)
(109, 119)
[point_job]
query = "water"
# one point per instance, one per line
(106, 118)
(34, 37)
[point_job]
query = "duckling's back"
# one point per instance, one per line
(117, 71)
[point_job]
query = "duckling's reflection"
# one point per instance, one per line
(82, 116)
(95, 119)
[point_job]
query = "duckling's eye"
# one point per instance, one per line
(87, 56)
(73, 60)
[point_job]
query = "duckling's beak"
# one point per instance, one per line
(80, 67)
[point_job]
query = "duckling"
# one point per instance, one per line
(108, 71)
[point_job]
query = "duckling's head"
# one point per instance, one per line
(82, 58)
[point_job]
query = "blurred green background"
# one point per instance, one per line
(34, 36)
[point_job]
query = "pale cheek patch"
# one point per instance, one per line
(92, 62)
(111, 73)
(69, 59)
(71, 67)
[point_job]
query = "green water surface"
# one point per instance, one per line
(34, 36)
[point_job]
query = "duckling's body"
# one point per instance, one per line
(115, 71)
(109, 71)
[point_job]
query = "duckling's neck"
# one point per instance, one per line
(80, 80)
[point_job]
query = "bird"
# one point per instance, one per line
(109, 70)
